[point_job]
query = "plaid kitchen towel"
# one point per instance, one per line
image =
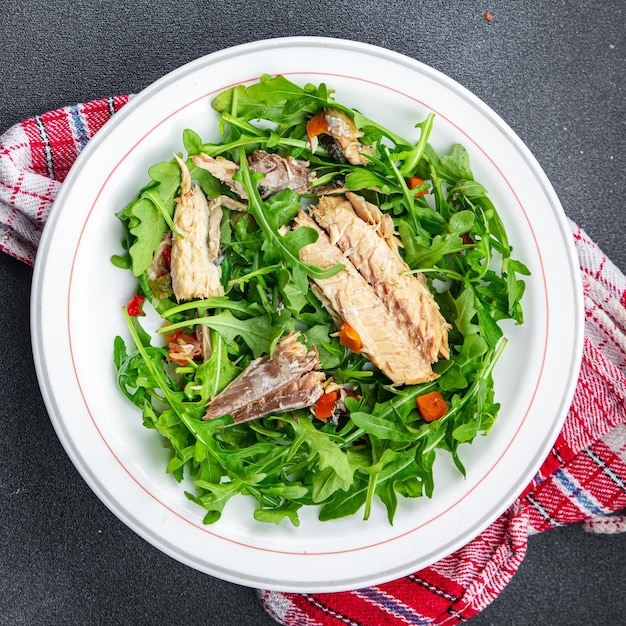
(35, 157)
(582, 480)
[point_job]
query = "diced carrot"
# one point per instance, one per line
(432, 406)
(135, 306)
(349, 338)
(317, 126)
(416, 181)
(325, 405)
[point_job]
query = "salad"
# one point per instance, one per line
(330, 297)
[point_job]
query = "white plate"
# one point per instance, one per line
(78, 295)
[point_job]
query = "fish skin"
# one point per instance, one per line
(280, 172)
(290, 379)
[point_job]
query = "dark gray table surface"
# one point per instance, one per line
(553, 70)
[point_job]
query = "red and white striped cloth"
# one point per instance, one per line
(35, 157)
(582, 480)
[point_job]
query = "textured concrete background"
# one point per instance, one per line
(553, 70)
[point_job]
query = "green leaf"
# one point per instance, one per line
(278, 514)
(489, 328)
(362, 178)
(411, 158)
(387, 492)
(466, 312)
(420, 256)
(461, 222)
(148, 232)
(192, 141)
(146, 218)
(383, 427)
(208, 183)
(456, 165)
(469, 188)
(272, 98)
(453, 379)
(344, 504)
(258, 333)
(330, 351)
(330, 457)
(466, 431)
(216, 372)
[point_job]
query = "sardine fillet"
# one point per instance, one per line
(348, 296)
(291, 379)
(280, 172)
(370, 248)
(194, 274)
(342, 129)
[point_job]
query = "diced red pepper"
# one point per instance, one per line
(167, 255)
(325, 405)
(432, 406)
(135, 306)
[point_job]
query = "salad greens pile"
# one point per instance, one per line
(379, 447)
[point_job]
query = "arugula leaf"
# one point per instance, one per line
(273, 98)
(215, 373)
(259, 333)
(335, 471)
(148, 217)
(456, 165)
(276, 246)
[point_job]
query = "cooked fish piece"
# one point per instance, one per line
(370, 243)
(204, 335)
(349, 297)
(215, 223)
(215, 220)
(341, 128)
(291, 379)
(222, 169)
(280, 172)
(371, 214)
(194, 274)
(232, 204)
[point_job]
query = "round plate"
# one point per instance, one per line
(78, 296)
